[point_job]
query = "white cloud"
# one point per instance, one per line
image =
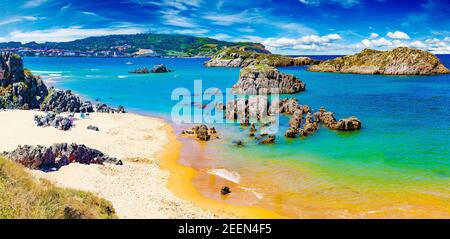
(398, 35)
(34, 3)
(195, 32)
(418, 44)
(221, 36)
(67, 34)
(18, 19)
(246, 29)
(382, 42)
(181, 5)
(311, 42)
(173, 18)
(230, 19)
(447, 39)
(343, 3)
(373, 35)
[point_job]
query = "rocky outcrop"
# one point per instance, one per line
(160, 69)
(65, 101)
(53, 120)
(143, 70)
(201, 132)
(399, 61)
(327, 118)
(257, 78)
(267, 139)
(239, 57)
(104, 108)
(19, 89)
(11, 69)
(58, 155)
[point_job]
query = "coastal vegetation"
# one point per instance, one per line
(129, 45)
(22, 196)
(243, 56)
(399, 61)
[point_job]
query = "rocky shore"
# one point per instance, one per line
(241, 57)
(255, 78)
(399, 61)
(19, 89)
(58, 155)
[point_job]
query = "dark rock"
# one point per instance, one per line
(238, 143)
(270, 139)
(91, 127)
(225, 190)
(160, 69)
(140, 71)
(58, 155)
(53, 120)
(64, 101)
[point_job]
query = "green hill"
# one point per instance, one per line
(161, 44)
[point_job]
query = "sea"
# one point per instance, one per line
(396, 166)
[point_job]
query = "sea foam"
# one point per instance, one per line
(225, 174)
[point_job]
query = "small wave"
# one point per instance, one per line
(252, 190)
(47, 72)
(55, 75)
(225, 174)
(120, 77)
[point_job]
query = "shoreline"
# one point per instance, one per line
(180, 183)
(151, 183)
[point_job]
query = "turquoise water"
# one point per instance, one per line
(404, 142)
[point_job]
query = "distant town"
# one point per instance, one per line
(115, 51)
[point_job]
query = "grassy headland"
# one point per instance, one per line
(22, 196)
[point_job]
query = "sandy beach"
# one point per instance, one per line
(137, 189)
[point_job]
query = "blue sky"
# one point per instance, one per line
(284, 26)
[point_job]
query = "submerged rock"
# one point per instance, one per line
(267, 139)
(58, 155)
(399, 61)
(256, 78)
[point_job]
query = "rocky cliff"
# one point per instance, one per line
(399, 61)
(241, 57)
(19, 89)
(254, 78)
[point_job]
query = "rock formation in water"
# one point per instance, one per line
(399, 61)
(161, 69)
(143, 70)
(201, 132)
(254, 78)
(327, 118)
(58, 155)
(240, 57)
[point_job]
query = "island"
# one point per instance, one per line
(399, 61)
(243, 56)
